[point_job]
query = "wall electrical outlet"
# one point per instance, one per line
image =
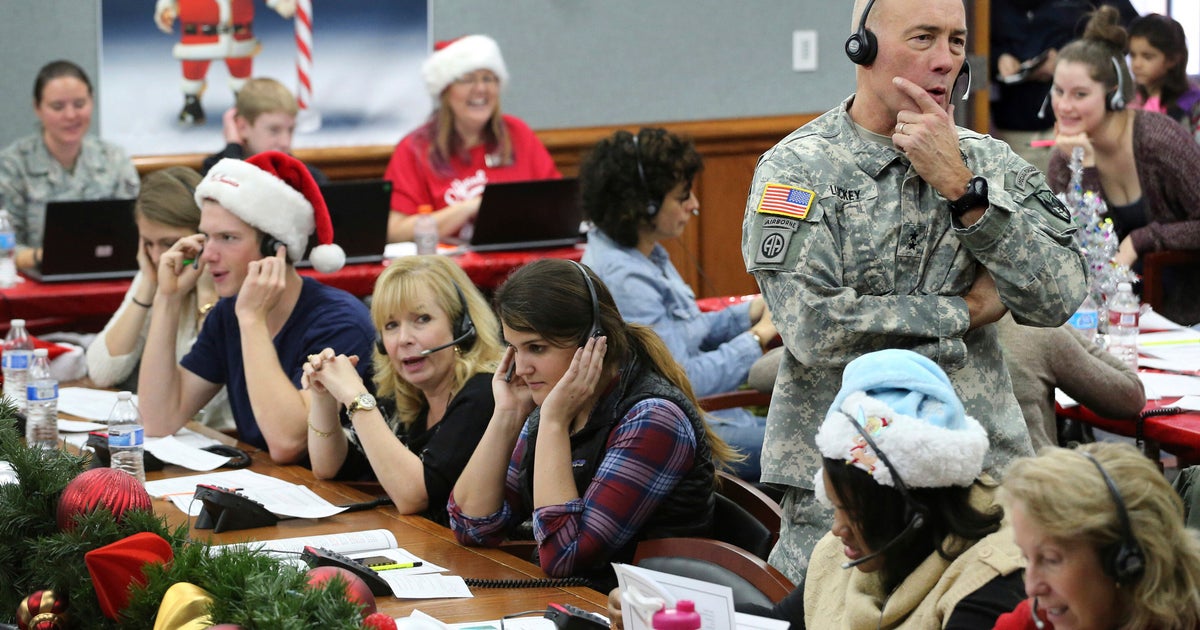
(804, 51)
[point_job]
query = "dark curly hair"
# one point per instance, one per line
(616, 195)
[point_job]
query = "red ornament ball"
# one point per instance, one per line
(379, 621)
(42, 611)
(108, 488)
(356, 590)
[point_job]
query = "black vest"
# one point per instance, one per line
(686, 511)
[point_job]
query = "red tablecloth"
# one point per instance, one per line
(1178, 434)
(86, 306)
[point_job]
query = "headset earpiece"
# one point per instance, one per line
(1116, 102)
(965, 70)
(269, 245)
(861, 46)
(1123, 561)
(596, 330)
(464, 328)
(379, 347)
(651, 204)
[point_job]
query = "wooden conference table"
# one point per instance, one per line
(421, 537)
(87, 306)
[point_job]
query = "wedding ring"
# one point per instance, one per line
(902, 125)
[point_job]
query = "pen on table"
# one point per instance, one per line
(367, 505)
(395, 565)
(1038, 144)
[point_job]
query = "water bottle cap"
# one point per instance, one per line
(682, 617)
(424, 209)
(124, 395)
(16, 322)
(41, 352)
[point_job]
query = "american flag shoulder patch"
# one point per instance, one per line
(787, 201)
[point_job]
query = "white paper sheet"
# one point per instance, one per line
(430, 586)
(400, 556)
(176, 451)
(1152, 320)
(754, 622)
(66, 425)
(1190, 403)
(279, 497)
(92, 404)
(373, 540)
(1169, 385)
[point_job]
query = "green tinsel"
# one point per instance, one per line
(248, 588)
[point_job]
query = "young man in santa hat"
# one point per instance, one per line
(255, 219)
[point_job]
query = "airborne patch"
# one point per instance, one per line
(773, 246)
(781, 223)
(1024, 175)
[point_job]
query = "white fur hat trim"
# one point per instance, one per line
(262, 200)
(463, 55)
(925, 455)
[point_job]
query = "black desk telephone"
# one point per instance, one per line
(226, 510)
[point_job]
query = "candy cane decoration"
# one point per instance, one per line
(308, 119)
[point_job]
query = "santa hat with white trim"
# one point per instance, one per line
(275, 193)
(454, 58)
(908, 406)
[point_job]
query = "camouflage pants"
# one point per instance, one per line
(805, 521)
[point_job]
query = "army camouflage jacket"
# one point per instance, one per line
(854, 252)
(30, 176)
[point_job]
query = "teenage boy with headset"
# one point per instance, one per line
(255, 220)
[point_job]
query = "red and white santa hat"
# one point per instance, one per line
(275, 193)
(454, 58)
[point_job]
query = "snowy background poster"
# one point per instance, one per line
(365, 73)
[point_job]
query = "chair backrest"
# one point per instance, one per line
(749, 498)
(735, 525)
(1154, 265)
(754, 582)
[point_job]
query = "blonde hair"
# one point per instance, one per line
(1064, 495)
(397, 288)
(263, 96)
(168, 196)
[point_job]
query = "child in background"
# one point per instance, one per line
(1158, 60)
(263, 118)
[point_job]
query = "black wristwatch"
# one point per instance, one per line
(975, 197)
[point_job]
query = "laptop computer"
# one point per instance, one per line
(527, 215)
(358, 210)
(88, 240)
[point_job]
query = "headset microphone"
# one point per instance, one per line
(1042, 109)
(915, 523)
(696, 212)
(1037, 621)
(453, 342)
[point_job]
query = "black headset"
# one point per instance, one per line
(464, 331)
(596, 330)
(914, 511)
(269, 244)
(1123, 561)
(651, 204)
(862, 47)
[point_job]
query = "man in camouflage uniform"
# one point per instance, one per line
(853, 240)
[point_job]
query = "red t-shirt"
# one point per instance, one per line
(414, 181)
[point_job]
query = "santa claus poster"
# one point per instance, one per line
(169, 69)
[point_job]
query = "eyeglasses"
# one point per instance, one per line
(485, 78)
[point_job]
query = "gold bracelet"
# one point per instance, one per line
(203, 310)
(319, 432)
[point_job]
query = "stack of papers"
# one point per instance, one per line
(278, 496)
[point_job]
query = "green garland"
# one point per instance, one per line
(249, 588)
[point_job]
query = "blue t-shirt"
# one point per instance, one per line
(324, 317)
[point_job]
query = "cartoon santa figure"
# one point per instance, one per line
(213, 29)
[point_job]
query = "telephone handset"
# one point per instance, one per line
(512, 370)
(226, 510)
(320, 557)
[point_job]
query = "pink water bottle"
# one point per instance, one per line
(682, 617)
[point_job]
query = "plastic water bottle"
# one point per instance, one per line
(126, 437)
(8, 252)
(682, 617)
(425, 231)
(1123, 311)
(1087, 318)
(18, 354)
(41, 392)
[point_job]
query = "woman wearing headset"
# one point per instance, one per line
(438, 346)
(596, 434)
(164, 213)
(637, 190)
(1142, 163)
(1104, 542)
